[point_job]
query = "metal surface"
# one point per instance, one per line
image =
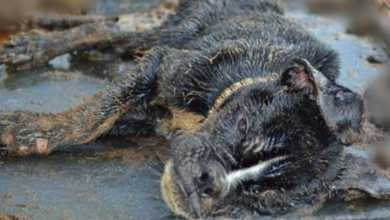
(83, 183)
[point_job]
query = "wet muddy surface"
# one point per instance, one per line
(117, 178)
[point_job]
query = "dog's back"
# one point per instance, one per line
(229, 41)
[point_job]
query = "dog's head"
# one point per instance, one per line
(264, 134)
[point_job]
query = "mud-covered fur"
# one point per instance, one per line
(277, 98)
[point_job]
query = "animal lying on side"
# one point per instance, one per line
(248, 101)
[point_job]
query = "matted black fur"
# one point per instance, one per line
(275, 85)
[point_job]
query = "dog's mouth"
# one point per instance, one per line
(200, 206)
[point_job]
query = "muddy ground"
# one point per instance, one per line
(118, 178)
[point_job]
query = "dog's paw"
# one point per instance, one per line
(18, 136)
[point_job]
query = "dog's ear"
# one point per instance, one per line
(360, 179)
(342, 108)
(297, 77)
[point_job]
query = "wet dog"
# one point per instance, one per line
(246, 98)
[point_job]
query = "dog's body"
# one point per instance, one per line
(251, 132)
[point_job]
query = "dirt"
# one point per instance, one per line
(148, 20)
(370, 135)
(320, 6)
(3, 74)
(352, 74)
(61, 75)
(4, 35)
(18, 14)
(376, 59)
(146, 150)
(10, 216)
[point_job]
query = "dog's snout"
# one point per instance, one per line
(205, 186)
(211, 183)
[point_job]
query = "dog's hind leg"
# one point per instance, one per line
(36, 48)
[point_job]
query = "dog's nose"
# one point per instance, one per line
(212, 181)
(205, 185)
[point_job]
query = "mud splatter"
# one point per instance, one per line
(4, 35)
(146, 150)
(10, 216)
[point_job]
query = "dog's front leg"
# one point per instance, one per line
(24, 133)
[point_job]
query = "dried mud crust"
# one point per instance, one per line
(60, 22)
(35, 48)
(146, 150)
(360, 179)
(10, 216)
(370, 134)
(20, 14)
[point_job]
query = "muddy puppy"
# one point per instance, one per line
(246, 98)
